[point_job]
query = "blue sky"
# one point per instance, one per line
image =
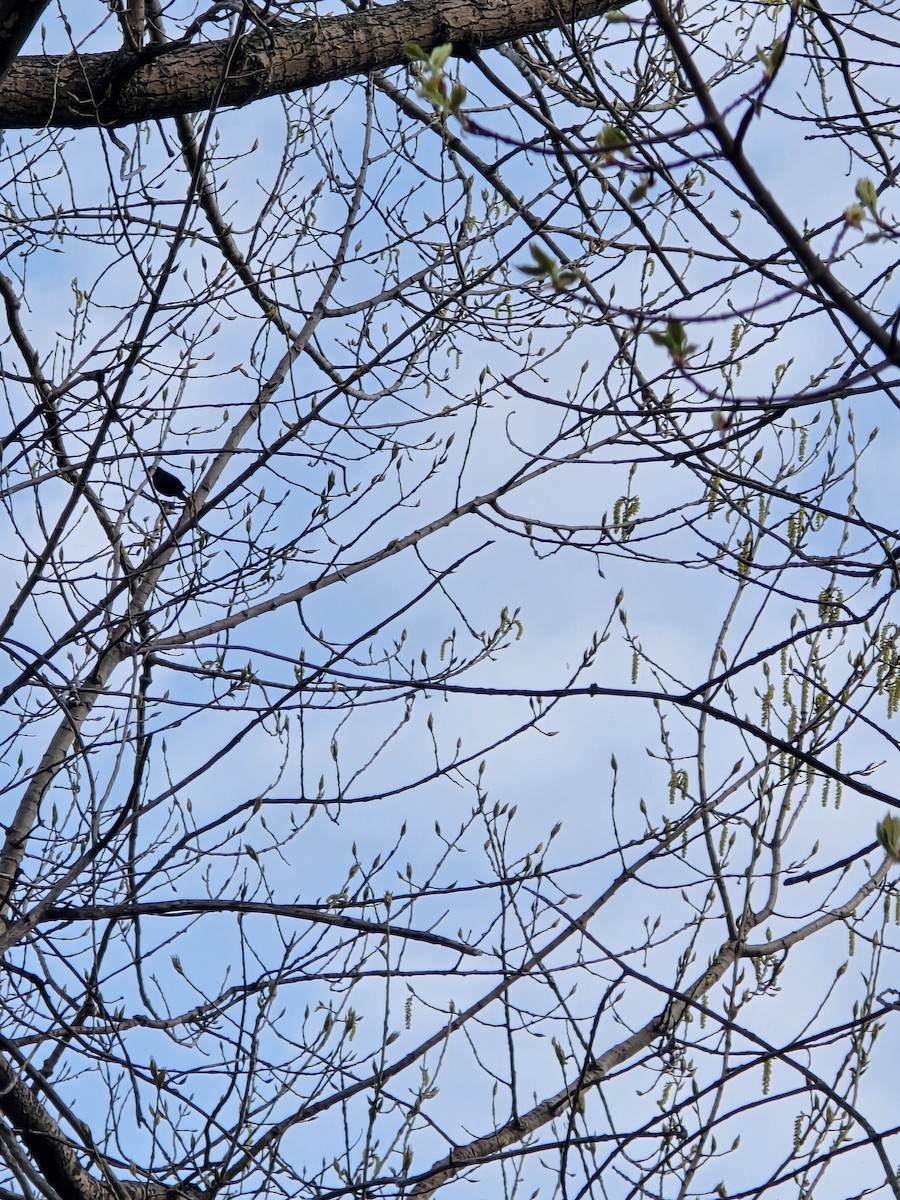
(501, 379)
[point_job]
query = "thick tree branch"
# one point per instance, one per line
(51, 1151)
(113, 89)
(481, 1149)
(17, 19)
(551, 1107)
(56, 1156)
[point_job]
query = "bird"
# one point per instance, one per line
(168, 484)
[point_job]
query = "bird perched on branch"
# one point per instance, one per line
(168, 485)
(893, 561)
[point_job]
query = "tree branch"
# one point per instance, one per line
(112, 89)
(299, 912)
(17, 19)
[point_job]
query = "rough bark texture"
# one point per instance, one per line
(118, 89)
(50, 1150)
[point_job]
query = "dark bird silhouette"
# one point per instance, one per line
(168, 484)
(893, 561)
